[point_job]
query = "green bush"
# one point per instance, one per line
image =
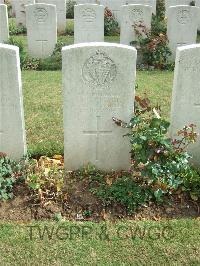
(153, 44)
(54, 62)
(14, 29)
(111, 26)
(26, 62)
(158, 162)
(70, 9)
(121, 189)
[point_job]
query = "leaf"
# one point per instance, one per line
(194, 197)
(57, 157)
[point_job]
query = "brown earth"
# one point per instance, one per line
(80, 200)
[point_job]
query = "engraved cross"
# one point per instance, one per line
(97, 133)
(42, 45)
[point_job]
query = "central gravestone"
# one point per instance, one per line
(12, 130)
(41, 30)
(96, 88)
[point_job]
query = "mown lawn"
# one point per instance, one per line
(43, 105)
(175, 242)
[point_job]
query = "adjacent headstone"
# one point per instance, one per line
(12, 11)
(151, 3)
(60, 10)
(198, 5)
(88, 23)
(114, 6)
(169, 3)
(98, 85)
(181, 26)
(79, 2)
(4, 29)
(20, 11)
(41, 30)
(12, 129)
(185, 108)
(134, 16)
(1, 2)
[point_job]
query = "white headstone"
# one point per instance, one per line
(41, 30)
(98, 84)
(79, 2)
(60, 10)
(13, 9)
(169, 3)
(131, 16)
(20, 11)
(186, 94)
(151, 3)
(88, 23)
(181, 26)
(12, 130)
(114, 6)
(4, 29)
(198, 5)
(1, 2)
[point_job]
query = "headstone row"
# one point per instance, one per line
(93, 94)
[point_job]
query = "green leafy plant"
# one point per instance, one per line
(111, 26)
(26, 62)
(16, 30)
(10, 173)
(153, 46)
(53, 62)
(191, 184)
(87, 213)
(159, 163)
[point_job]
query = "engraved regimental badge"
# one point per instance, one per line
(99, 70)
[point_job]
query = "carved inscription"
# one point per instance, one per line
(40, 14)
(99, 69)
(190, 64)
(136, 15)
(183, 16)
(100, 103)
(88, 15)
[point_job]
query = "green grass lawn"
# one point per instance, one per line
(43, 105)
(175, 242)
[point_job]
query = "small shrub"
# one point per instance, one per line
(159, 163)
(121, 189)
(45, 178)
(191, 184)
(10, 174)
(26, 62)
(111, 26)
(16, 30)
(153, 46)
(54, 62)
